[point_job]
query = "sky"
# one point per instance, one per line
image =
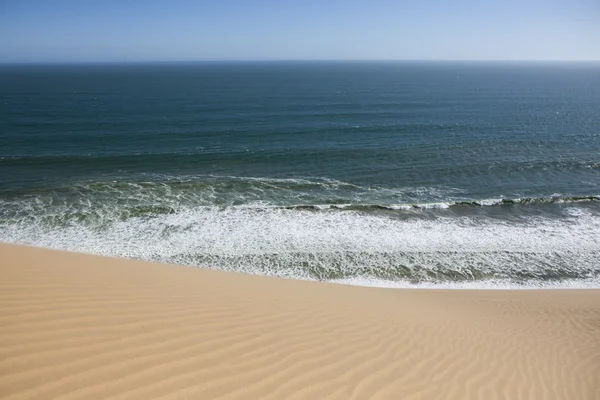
(216, 30)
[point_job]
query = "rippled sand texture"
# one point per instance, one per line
(85, 327)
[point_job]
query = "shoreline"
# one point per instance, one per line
(403, 284)
(93, 327)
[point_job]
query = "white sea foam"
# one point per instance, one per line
(400, 206)
(338, 245)
(434, 205)
(488, 202)
(489, 284)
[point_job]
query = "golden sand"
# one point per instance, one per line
(76, 326)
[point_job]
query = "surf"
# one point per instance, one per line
(358, 243)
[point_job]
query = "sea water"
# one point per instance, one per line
(401, 174)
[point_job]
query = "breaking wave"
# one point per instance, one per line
(524, 242)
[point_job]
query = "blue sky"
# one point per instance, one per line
(182, 30)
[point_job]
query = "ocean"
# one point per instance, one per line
(396, 174)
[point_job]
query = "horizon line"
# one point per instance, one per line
(57, 62)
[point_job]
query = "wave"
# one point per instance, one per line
(443, 205)
(346, 245)
(318, 229)
(299, 193)
(198, 191)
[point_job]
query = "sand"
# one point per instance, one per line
(76, 326)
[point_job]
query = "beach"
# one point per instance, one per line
(77, 326)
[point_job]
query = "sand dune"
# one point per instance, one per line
(84, 327)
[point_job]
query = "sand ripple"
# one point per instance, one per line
(86, 327)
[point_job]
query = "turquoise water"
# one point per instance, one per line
(395, 174)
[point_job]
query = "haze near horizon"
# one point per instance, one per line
(184, 30)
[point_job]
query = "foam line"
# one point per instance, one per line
(334, 244)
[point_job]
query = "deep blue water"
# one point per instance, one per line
(395, 173)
